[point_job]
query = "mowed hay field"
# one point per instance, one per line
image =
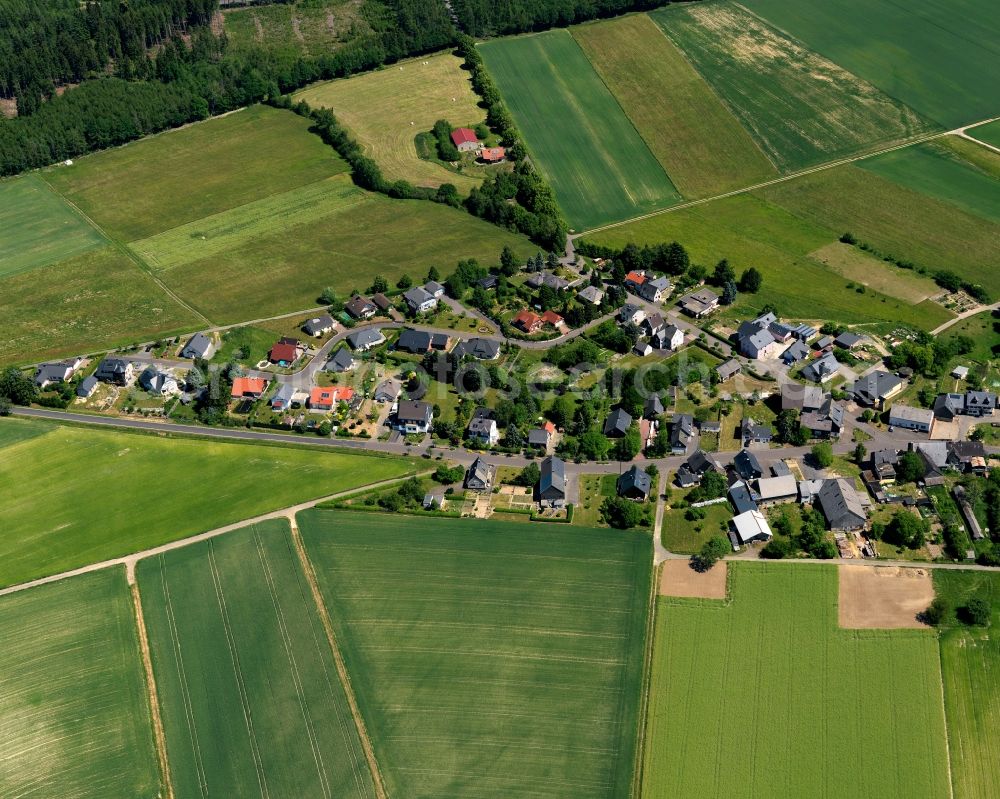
(385, 110)
(39, 227)
(750, 231)
(941, 172)
(82, 496)
(765, 696)
(970, 658)
(802, 108)
(490, 659)
(940, 58)
(598, 165)
(699, 143)
(74, 716)
(251, 701)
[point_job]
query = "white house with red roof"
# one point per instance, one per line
(465, 140)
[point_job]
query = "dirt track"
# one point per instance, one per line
(882, 597)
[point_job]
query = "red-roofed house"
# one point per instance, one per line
(528, 321)
(634, 279)
(552, 318)
(492, 155)
(465, 140)
(251, 387)
(323, 398)
(284, 353)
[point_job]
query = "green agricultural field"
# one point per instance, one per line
(106, 494)
(600, 168)
(100, 299)
(386, 109)
(940, 172)
(971, 152)
(989, 133)
(752, 232)
(251, 701)
(308, 27)
(489, 659)
(765, 696)
(802, 108)
(859, 266)
(177, 177)
(73, 700)
(700, 144)
(346, 249)
(907, 224)
(970, 658)
(940, 58)
(39, 227)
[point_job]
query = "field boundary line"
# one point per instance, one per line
(152, 695)
(338, 659)
(944, 714)
(639, 764)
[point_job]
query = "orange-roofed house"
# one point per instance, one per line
(549, 428)
(251, 387)
(492, 155)
(528, 321)
(465, 140)
(323, 398)
(635, 279)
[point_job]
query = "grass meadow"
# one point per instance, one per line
(764, 696)
(750, 231)
(802, 108)
(598, 165)
(251, 701)
(989, 133)
(897, 220)
(83, 496)
(39, 227)
(489, 659)
(940, 59)
(700, 144)
(180, 176)
(309, 27)
(98, 299)
(385, 109)
(939, 171)
(970, 658)
(75, 716)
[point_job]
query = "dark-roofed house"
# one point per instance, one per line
(967, 456)
(480, 476)
(319, 325)
(746, 465)
(617, 423)
(200, 346)
(822, 369)
(948, 406)
(797, 351)
(847, 341)
(489, 282)
(482, 349)
(699, 303)
(694, 468)
(87, 387)
(728, 369)
(365, 339)
(387, 391)
(483, 431)
(381, 302)
(825, 422)
(875, 388)
(797, 397)
(741, 497)
(552, 485)
(434, 288)
(755, 433)
(341, 361)
(653, 407)
(51, 373)
(420, 300)
(631, 314)
(413, 417)
(539, 437)
(420, 341)
(360, 308)
(841, 506)
(539, 279)
(653, 324)
(668, 338)
(115, 370)
(681, 433)
(758, 344)
(156, 381)
(635, 484)
(980, 403)
(591, 294)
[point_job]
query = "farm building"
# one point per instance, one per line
(774, 490)
(751, 526)
(465, 140)
(841, 506)
(728, 369)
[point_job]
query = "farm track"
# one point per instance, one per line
(792, 176)
(159, 736)
(342, 673)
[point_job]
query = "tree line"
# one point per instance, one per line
(499, 17)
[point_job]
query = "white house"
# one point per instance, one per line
(909, 418)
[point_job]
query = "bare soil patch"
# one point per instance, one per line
(679, 579)
(881, 597)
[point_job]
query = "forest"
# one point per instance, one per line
(481, 18)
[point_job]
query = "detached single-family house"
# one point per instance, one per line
(539, 437)
(653, 324)
(617, 423)
(285, 352)
(199, 346)
(341, 361)
(681, 433)
(694, 468)
(528, 322)
(282, 399)
(419, 300)
(552, 485)
(699, 303)
(825, 422)
(751, 526)
(967, 456)
(115, 370)
(841, 506)
(249, 387)
(668, 338)
(635, 484)
(483, 431)
(980, 403)
(319, 326)
(631, 314)
(753, 432)
(365, 339)
(822, 369)
(797, 351)
(757, 342)
(653, 407)
(875, 388)
(591, 294)
(159, 382)
(728, 369)
(482, 349)
(847, 341)
(747, 466)
(387, 391)
(492, 155)
(539, 279)
(797, 397)
(413, 417)
(480, 476)
(909, 418)
(324, 398)
(465, 140)
(87, 387)
(360, 308)
(419, 342)
(52, 373)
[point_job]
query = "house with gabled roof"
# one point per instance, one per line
(365, 338)
(480, 476)
(618, 423)
(199, 346)
(360, 307)
(875, 388)
(822, 369)
(552, 484)
(635, 484)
